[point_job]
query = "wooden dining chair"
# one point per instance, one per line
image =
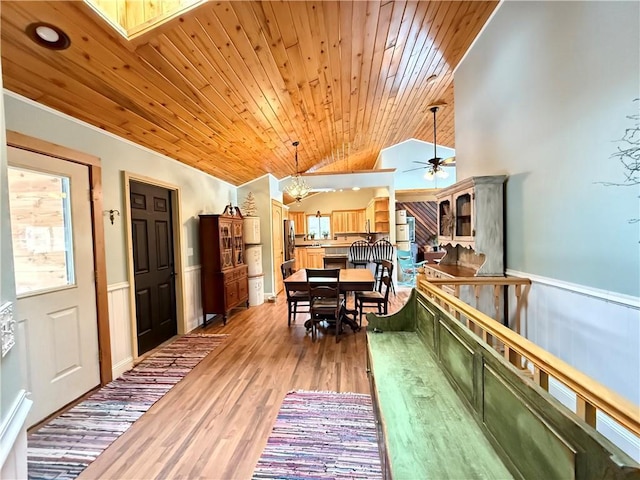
(325, 301)
(295, 298)
(376, 299)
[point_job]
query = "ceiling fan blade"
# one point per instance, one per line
(450, 162)
(412, 169)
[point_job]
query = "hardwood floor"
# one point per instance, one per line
(215, 423)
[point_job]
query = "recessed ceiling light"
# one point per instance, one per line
(356, 188)
(431, 78)
(48, 36)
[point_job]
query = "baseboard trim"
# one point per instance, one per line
(614, 297)
(122, 366)
(13, 424)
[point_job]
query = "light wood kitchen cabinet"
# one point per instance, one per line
(370, 217)
(381, 215)
(347, 221)
(314, 257)
(299, 222)
(470, 224)
(300, 254)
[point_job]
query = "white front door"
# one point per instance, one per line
(55, 282)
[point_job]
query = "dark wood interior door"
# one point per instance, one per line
(154, 274)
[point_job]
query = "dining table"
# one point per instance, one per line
(351, 280)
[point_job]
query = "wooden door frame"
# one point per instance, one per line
(176, 222)
(36, 145)
(276, 268)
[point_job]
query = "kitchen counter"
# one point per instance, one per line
(327, 245)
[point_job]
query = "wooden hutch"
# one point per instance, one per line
(471, 231)
(224, 275)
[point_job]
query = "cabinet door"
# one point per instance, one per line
(360, 220)
(243, 288)
(238, 243)
(301, 258)
(446, 218)
(230, 294)
(339, 221)
(463, 228)
(226, 243)
(315, 258)
(299, 223)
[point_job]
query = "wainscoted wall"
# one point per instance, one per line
(120, 328)
(593, 330)
(192, 297)
(120, 317)
(13, 447)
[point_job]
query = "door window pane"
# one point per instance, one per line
(41, 230)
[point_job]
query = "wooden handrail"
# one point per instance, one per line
(587, 390)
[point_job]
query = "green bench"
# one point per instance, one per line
(449, 406)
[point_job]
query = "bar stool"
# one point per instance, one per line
(382, 250)
(360, 253)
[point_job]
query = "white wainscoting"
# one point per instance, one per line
(595, 331)
(120, 328)
(13, 439)
(192, 297)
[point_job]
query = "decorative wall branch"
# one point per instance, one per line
(629, 155)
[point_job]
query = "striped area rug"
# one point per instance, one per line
(64, 447)
(322, 435)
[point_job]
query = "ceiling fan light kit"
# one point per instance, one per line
(434, 165)
(298, 188)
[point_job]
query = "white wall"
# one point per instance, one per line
(13, 403)
(542, 96)
(402, 157)
(201, 193)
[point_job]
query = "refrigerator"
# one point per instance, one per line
(289, 240)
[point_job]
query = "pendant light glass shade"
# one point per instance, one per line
(298, 188)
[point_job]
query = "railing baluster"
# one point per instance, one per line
(586, 411)
(590, 395)
(541, 378)
(516, 316)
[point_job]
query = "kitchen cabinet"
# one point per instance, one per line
(470, 224)
(300, 254)
(377, 214)
(299, 222)
(315, 257)
(224, 275)
(347, 221)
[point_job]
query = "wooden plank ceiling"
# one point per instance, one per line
(226, 87)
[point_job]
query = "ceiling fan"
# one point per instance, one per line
(434, 165)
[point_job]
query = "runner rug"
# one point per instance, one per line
(64, 447)
(322, 435)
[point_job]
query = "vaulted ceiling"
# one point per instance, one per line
(226, 87)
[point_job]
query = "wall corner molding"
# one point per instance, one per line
(13, 424)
